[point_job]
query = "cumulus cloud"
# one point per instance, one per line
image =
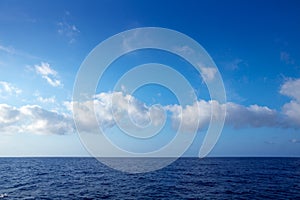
(47, 73)
(33, 119)
(117, 108)
(240, 116)
(191, 116)
(237, 116)
(112, 108)
(252, 116)
(7, 89)
(291, 88)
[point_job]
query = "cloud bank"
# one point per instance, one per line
(118, 108)
(237, 116)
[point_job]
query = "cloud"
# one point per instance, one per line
(186, 50)
(269, 142)
(7, 89)
(115, 108)
(286, 58)
(112, 108)
(294, 140)
(292, 109)
(208, 73)
(12, 51)
(191, 116)
(33, 119)
(47, 73)
(291, 88)
(8, 50)
(46, 100)
(67, 29)
(237, 116)
(255, 116)
(234, 64)
(197, 115)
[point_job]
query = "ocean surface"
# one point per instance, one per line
(187, 178)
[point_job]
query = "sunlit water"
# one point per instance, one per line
(217, 178)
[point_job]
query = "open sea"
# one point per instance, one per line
(187, 178)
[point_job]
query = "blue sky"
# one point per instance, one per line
(254, 44)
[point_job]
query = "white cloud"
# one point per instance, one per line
(256, 116)
(68, 29)
(33, 119)
(112, 108)
(12, 51)
(8, 50)
(191, 116)
(197, 115)
(52, 82)
(46, 100)
(117, 108)
(186, 50)
(238, 116)
(291, 88)
(208, 73)
(44, 69)
(7, 89)
(47, 73)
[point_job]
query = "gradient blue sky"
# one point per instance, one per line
(255, 44)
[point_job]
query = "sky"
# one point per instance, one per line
(255, 46)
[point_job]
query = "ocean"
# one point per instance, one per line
(187, 178)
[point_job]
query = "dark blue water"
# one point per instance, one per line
(187, 178)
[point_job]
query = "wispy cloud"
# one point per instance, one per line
(47, 73)
(286, 58)
(12, 51)
(295, 140)
(208, 73)
(46, 100)
(234, 64)
(184, 49)
(9, 50)
(8, 89)
(67, 28)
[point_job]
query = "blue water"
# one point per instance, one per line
(187, 178)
